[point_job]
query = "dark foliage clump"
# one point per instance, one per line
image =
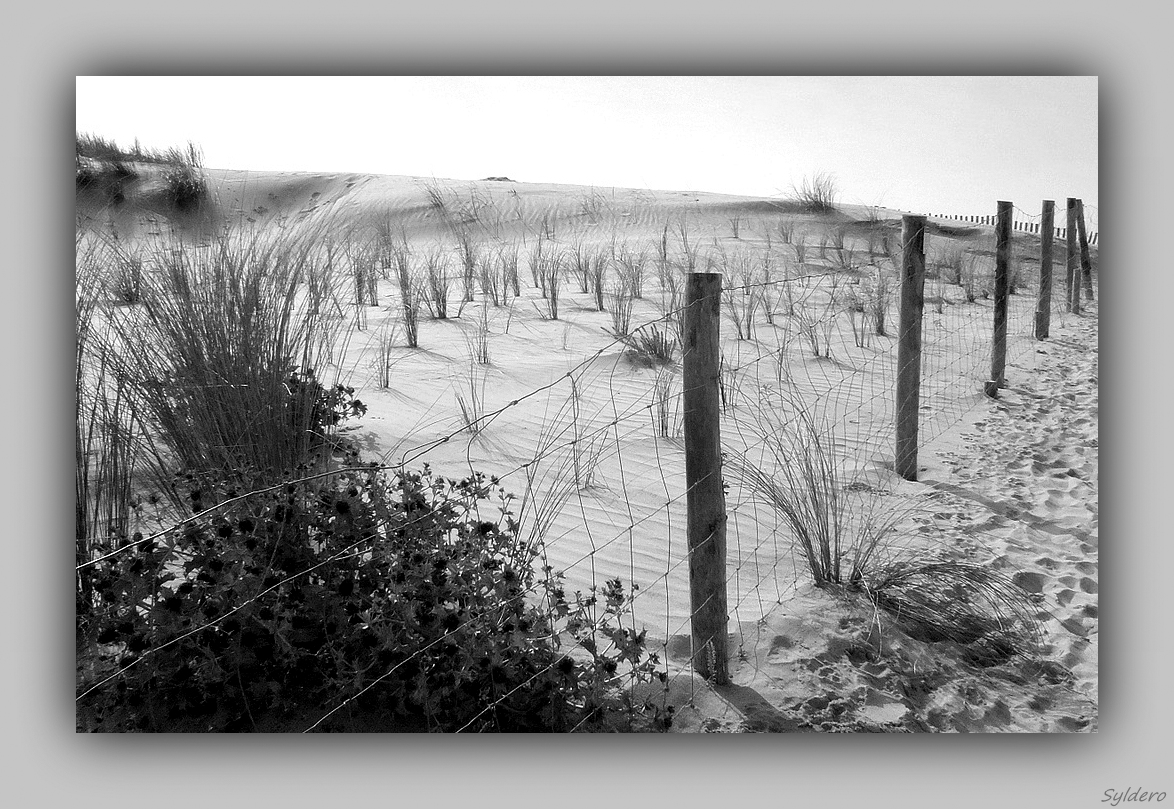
(355, 602)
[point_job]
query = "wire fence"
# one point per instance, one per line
(568, 394)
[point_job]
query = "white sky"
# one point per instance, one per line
(927, 144)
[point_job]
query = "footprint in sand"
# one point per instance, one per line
(1074, 657)
(782, 650)
(1029, 581)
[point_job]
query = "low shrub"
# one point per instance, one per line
(356, 602)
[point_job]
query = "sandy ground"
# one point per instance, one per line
(1009, 483)
(1014, 487)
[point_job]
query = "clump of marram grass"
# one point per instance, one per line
(599, 264)
(879, 294)
(96, 147)
(938, 601)
(102, 164)
(491, 276)
(385, 342)
(538, 260)
(547, 271)
(839, 528)
(856, 305)
(816, 321)
(977, 279)
(363, 256)
(786, 229)
(471, 397)
(88, 172)
(621, 300)
(631, 264)
(226, 375)
(817, 193)
(507, 256)
(468, 251)
(111, 446)
(183, 178)
(845, 255)
(437, 282)
(411, 292)
(736, 226)
(478, 341)
(650, 345)
(580, 265)
(215, 367)
(947, 261)
(847, 532)
(592, 205)
(660, 248)
(742, 301)
(665, 404)
(125, 283)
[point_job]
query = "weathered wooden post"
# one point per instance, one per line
(1073, 273)
(1043, 306)
(1085, 261)
(1002, 275)
(705, 497)
(909, 344)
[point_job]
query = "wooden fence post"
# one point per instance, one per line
(1085, 261)
(1002, 285)
(909, 344)
(705, 497)
(1043, 306)
(1073, 273)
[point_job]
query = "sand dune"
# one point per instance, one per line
(1009, 483)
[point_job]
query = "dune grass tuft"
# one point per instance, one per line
(184, 178)
(849, 539)
(938, 601)
(799, 476)
(817, 193)
(226, 374)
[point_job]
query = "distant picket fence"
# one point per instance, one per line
(1021, 226)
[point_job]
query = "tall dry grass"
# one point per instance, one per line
(796, 472)
(438, 282)
(225, 367)
(109, 442)
(816, 193)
